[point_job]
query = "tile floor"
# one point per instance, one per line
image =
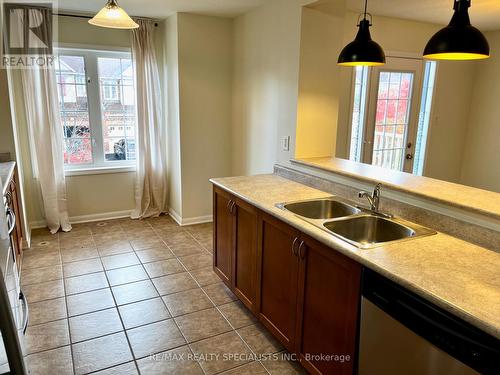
(128, 297)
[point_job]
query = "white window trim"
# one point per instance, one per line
(99, 165)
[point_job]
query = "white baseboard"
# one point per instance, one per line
(189, 220)
(86, 218)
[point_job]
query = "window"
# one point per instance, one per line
(97, 105)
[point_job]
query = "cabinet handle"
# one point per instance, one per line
(302, 250)
(231, 208)
(228, 204)
(11, 219)
(294, 251)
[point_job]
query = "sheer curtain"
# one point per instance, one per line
(151, 180)
(39, 96)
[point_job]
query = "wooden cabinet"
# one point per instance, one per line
(305, 293)
(235, 245)
(278, 275)
(327, 314)
(223, 235)
(244, 256)
(14, 204)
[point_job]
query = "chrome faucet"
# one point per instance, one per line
(373, 199)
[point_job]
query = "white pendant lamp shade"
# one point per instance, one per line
(114, 17)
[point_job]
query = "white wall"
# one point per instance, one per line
(481, 158)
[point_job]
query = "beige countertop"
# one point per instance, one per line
(460, 277)
(6, 170)
(468, 198)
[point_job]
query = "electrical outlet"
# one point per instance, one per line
(285, 143)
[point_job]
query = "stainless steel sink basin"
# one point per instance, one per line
(366, 231)
(328, 208)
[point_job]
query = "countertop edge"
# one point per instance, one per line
(422, 292)
(396, 187)
(6, 177)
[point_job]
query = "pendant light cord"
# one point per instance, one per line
(366, 7)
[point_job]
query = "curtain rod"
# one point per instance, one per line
(89, 17)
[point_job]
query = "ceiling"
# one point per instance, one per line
(163, 8)
(484, 14)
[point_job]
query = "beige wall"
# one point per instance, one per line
(265, 86)
(481, 159)
(319, 83)
(205, 76)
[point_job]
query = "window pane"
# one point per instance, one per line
(73, 106)
(118, 108)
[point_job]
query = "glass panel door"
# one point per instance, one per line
(393, 114)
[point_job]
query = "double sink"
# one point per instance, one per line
(354, 224)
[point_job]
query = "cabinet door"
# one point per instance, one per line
(245, 253)
(223, 235)
(328, 305)
(278, 276)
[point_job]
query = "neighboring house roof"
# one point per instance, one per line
(112, 69)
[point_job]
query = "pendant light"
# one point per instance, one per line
(114, 17)
(459, 40)
(362, 51)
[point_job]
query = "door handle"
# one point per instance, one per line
(11, 220)
(24, 300)
(294, 251)
(302, 250)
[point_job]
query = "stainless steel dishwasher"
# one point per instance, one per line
(401, 333)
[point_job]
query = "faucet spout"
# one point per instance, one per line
(373, 199)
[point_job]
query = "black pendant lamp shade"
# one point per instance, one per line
(363, 50)
(459, 40)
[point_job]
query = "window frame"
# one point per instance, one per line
(94, 99)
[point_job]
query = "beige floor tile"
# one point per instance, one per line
(134, 292)
(177, 282)
(43, 291)
(126, 275)
(202, 324)
(205, 276)
(253, 368)
(176, 361)
(154, 338)
(39, 275)
(141, 243)
(279, 364)
(79, 243)
(89, 302)
(182, 250)
(213, 350)
(46, 336)
(56, 361)
(125, 369)
(99, 323)
(176, 238)
(36, 258)
(75, 255)
(163, 268)
(187, 302)
(85, 283)
(237, 314)
(88, 355)
(155, 254)
(144, 312)
(195, 261)
(82, 267)
(43, 234)
(118, 247)
(120, 260)
(108, 238)
(219, 293)
(259, 339)
(47, 311)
